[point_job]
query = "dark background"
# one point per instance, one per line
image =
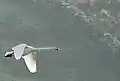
(45, 23)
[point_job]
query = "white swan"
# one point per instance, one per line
(28, 53)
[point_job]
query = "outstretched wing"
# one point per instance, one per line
(30, 61)
(19, 50)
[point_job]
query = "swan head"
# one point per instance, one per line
(56, 49)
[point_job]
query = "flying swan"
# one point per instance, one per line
(28, 53)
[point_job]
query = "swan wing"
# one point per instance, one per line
(30, 61)
(19, 50)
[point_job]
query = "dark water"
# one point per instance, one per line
(40, 24)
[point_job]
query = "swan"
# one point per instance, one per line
(28, 54)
